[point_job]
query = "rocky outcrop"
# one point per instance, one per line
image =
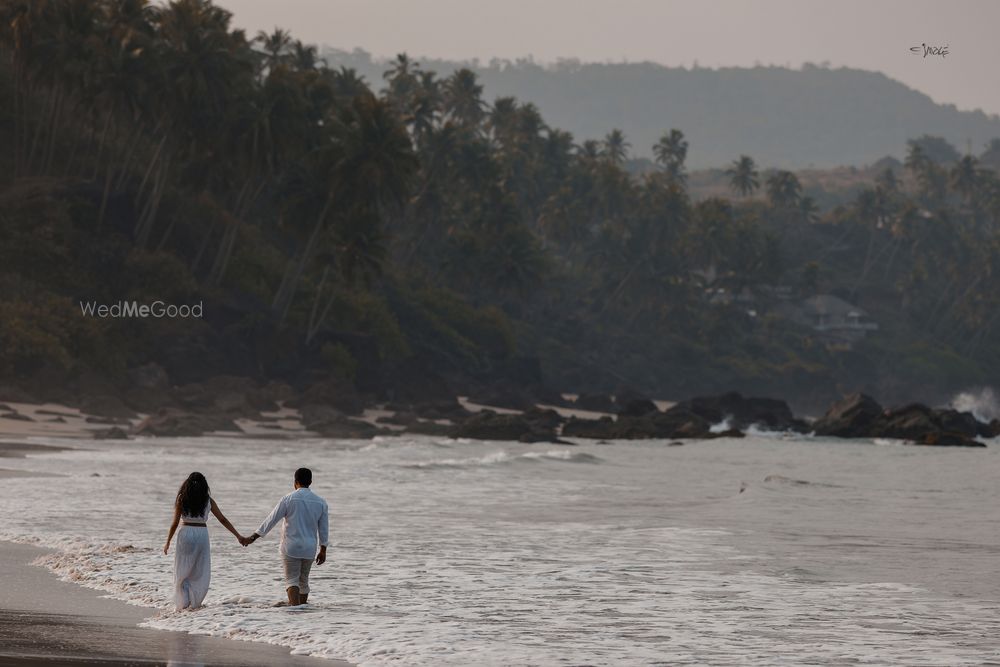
(860, 416)
(636, 407)
(488, 425)
(331, 423)
(852, 417)
(743, 412)
(677, 422)
(170, 422)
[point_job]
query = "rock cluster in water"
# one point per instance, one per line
(333, 407)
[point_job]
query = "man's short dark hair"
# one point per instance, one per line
(304, 476)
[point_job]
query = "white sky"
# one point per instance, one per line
(867, 34)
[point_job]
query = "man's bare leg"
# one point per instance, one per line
(293, 596)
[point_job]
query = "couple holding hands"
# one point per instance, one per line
(305, 525)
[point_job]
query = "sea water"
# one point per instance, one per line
(762, 551)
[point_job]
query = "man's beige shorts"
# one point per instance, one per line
(297, 573)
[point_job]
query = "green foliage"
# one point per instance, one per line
(156, 152)
(51, 330)
(340, 360)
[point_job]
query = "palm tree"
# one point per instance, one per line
(276, 46)
(366, 163)
(783, 189)
(808, 209)
(670, 152)
(616, 147)
(590, 149)
(965, 178)
(743, 176)
(463, 98)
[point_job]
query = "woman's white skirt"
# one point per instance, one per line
(192, 567)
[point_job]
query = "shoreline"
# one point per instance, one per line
(46, 621)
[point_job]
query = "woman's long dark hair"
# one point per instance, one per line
(193, 495)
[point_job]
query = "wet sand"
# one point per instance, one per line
(44, 621)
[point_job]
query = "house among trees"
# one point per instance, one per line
(839, 323)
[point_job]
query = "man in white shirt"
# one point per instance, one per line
(304, 517)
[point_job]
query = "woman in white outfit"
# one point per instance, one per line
(192, 556)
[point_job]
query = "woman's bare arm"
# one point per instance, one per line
(173, 526)
(225, 522)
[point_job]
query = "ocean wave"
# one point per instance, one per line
(503, 458)
(982, 403)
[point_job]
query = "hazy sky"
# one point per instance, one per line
(867, 34)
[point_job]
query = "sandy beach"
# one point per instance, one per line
(44, 621)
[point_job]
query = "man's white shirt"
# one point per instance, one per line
(306, 516)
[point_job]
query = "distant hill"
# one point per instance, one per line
(781, 117)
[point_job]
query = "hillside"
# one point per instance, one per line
(422, 240)
(784, 118)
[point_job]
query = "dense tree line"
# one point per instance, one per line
(446, 226)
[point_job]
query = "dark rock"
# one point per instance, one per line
(637, 407)
(488, 425)
(911, 422)
(678, 422)
(625, 395)
(946, 439)
(852, 417)
(114, 433)
(106, 406)
(598, 429)
(399, 419)
(743, 412)
(149, 376)
(545, 419)
(595, 402)
(16, 416)
(535, 436)
(170, 422)
(315, 416)
(331, 423)
(962, 422)
(730, 433)
(333, 392)
(503, 394)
